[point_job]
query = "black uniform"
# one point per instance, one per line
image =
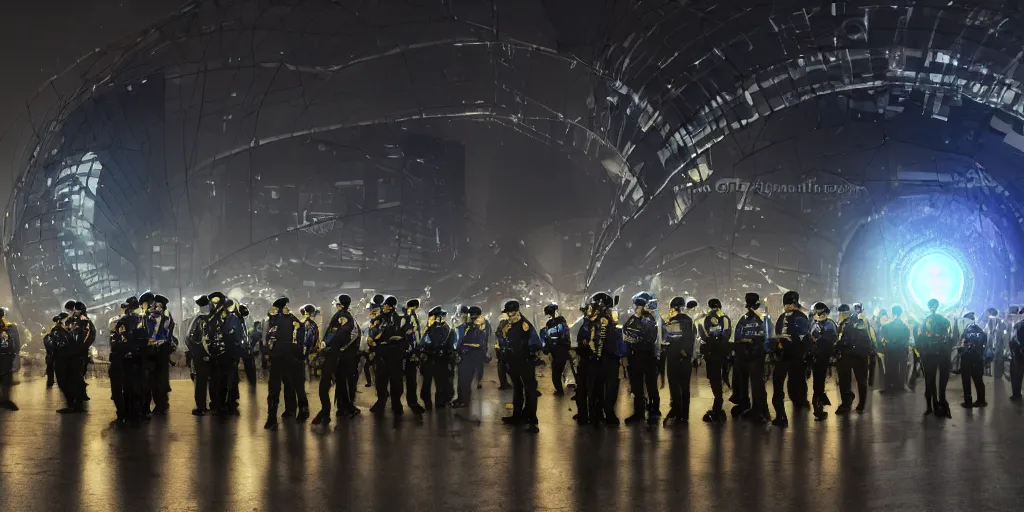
(72, 352)
(935, 344)
(556, 339)
(201, 361)
(161, 344)
(10, 346)
(388, 343)
(1016, 360)
(438, 352)
(341, 340)
(823, 337)
(854, 347)
(128, 340)
(972, 363)
(523, 346)
(790, 372)
(224, 334)
(641, 336)
(284, 341)
(749, 348)
(896, 338)
(413, 359)
(715, 333)
(597, 384)
(680, 336)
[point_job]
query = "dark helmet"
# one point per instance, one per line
(715, 304)
(820, 308)
(511, 306)
(215, 298)
(3, 312)
(58, 318)
(602, 300)
(463, 309)
(201, 301)
(133, 303)
(791, 297)
(344, 301)
(308, 309)
(843, 308)
(160, 299)
(438, 312)
(551, 309)
(378, 300)
(124, 306)
(70, 305)
(858, 307)
(243, 311)
(933, 304)
(390, 300)
(691, 303)
(969, 315)
(642, 299)
(752, 300)
(412, 304)
(80, 307)
(279, 303)
(475, 311)
(992, 312)
(677, 303)
(147, 297)
(897, 310)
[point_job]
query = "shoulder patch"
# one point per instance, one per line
(604, 322)
(526, 327)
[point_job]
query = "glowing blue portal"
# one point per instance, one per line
(936, 275)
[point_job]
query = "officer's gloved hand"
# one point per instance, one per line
(488, 358)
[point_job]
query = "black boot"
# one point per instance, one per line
(781, 421)
(303, 414)
(321, 417)
(271, 416)
(635, 418)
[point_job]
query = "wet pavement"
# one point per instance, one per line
(890, 457)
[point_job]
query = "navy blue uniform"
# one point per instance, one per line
(556, 337)
(199, 354)
(599, 347)
(641, 336)
(972, 363)
(896, 340)
(341, 344)
(749, 346)
(856, 342)
(389, 342)
(284, 338)
(472, 347)
(523, 346)
(680, 336)
(161, 344)
(823, 337)
(790, 373)
(715, 333)
(438, 352)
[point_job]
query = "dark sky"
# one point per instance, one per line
(39, 38)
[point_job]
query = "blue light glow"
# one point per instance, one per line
(936, 275)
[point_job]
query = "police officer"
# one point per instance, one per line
(790, 373)
(388, 343)
(934, 344)
(855, 347)
(1016, 354)
(10, 346)
(199, 354)
(71, 360)
(473, 337)
(824, 334)
(715, 333)
(310, 343)
(413, 355)
(341, 346)
(438, 349)
(896, 346)
(476, 317)
(749, 347)
(285, 334)
(679, 334)
(499, 351)
(523, 346)
(162, 343)
(599, 347)
(556, 339)
(973, 341)
(997, 331)
(224, 338)
(640, 332)
(125, 363)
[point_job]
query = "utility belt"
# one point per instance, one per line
(640, 348)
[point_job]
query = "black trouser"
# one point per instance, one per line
(559, 358)
(202, 380)
(346, 374)
(249, 362)
(119, 386)
(896, 359)
(502, 369)
(790, 375)
(472, 360)
(436, 374)
(411, 387)
(367, 368)
(158, 380)
(222, 370)
(607, 386)
(853, 365)
(935, 366)
(524, 387)
(678, 370)
(751, 392)
(68, 370)
(716, 373)
(643, 373)
(286, 370)
(331, 374)
(586, 380)
(50, 378)
(972, 368)
(1016, 374)
(6, 377)
(819, 372)
(389, 376)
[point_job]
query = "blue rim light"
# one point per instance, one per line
(937, 275)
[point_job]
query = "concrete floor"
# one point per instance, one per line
(888, 458)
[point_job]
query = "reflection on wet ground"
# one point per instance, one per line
(888, 458)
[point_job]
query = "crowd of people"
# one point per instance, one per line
(397, 348)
